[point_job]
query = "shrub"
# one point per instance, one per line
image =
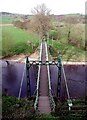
(53, 34)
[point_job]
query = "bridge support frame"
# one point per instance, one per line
(58, 64)
(59, 76)
(28, 78)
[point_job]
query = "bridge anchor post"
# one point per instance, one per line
(28, 78)
(59, 76)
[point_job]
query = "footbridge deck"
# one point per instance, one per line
(43, 101)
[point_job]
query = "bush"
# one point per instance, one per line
(53, 34)
(15, 109)
(18, 24)
(77, 35)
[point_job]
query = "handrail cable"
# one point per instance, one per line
(38, 80)
(50, 94)
(19, 95)
(67, 90)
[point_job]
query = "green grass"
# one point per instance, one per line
(19, 35)
(6, 19)
(16, 41)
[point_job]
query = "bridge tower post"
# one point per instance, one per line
(28, 78)
(59, 76)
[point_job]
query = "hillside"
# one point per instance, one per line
(11, 17)
(79, 17)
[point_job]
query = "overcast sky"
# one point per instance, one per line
(56, 6)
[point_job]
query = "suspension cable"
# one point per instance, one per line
(19, 95)
(50, 94)
(67, 90)
(38, 80)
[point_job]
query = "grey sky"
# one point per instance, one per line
(56, 6)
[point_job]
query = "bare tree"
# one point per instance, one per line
(70, 21)
(40, 22)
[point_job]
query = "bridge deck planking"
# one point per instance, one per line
(44, 103)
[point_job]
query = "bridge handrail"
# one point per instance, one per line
(21, 84)
(67, 90)
(38, 80)
(50, 94)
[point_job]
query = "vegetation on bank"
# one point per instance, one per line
(16, 41)
(68, 52)
(71, 44)
(12, 108)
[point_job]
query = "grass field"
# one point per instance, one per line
(6, 19)
(19, 35)
(16, 41)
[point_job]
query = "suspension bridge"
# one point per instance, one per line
(46, 82)
(44, 98)
(44, 102)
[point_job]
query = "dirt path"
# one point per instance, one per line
(6, 25)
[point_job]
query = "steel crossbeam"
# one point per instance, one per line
(28, 79)
(43, 62)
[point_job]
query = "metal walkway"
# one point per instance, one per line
(44, 102)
